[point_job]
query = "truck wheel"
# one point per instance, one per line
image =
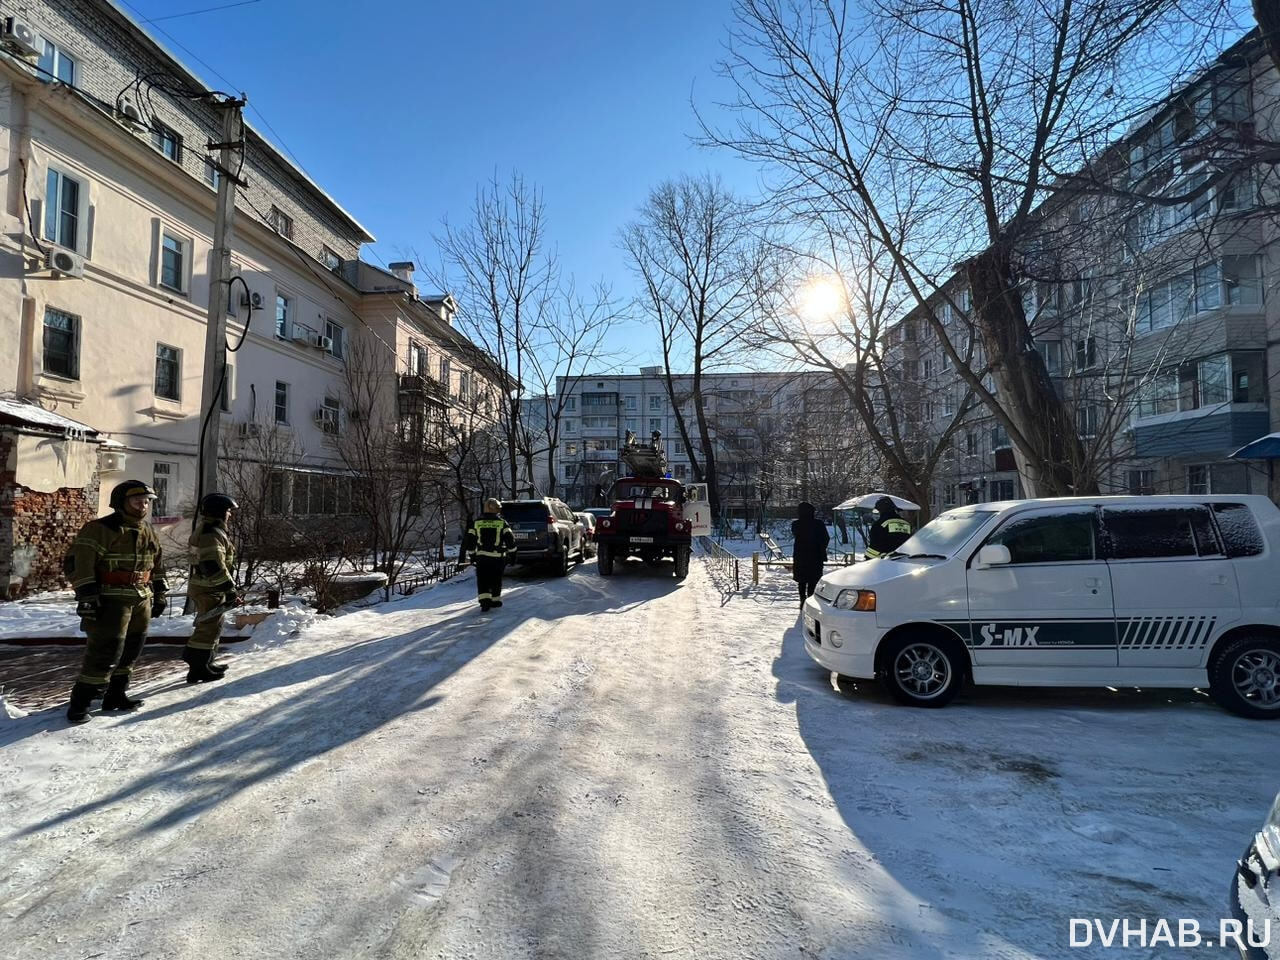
(604, 559)
(562, 563)
(923, 671)
(682, 562)
(1245, 677)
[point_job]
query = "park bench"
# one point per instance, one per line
(774, 557)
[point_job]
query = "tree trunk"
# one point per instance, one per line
(1052, 461)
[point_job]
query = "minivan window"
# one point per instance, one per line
(944, 534)
(1048, 538)
(1240, 534)
(524, 513)
(1146, 533)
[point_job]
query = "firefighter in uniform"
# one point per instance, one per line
(212, 561)
(491, 543)
(115, 568)
(890, 531)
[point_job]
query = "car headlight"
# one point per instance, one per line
(864, 600)
(679, 527)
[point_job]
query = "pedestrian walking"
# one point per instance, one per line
(889, 532)
(809, 550)
(115, 569)
(212, 586)
(490, 543)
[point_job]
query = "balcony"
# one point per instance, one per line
(600, 456)
(412, 383)
(1211, 431)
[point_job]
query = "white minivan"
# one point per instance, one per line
(1165, 591)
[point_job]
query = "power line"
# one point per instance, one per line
(192, 13)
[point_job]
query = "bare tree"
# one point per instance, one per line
(974, 113)
(504, 280)
(700, 256)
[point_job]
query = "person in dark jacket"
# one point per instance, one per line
(809, 551)
(889, 532)
(490, 544)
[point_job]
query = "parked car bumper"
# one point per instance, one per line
(856, 632)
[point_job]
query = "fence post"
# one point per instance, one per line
(755, 567)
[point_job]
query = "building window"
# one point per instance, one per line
(167, 140)
(212, 175)
(571, 403)
(1051, 353)
(948, 405)
(655, 403)
(284, 307)
(1087, 420)
(1002, 490)
(571, 426)
(445, 373)
(330, 416)
(679, 449)
(655, 424)
(631, 403)
(61, 344)
(417, 359)
(275, 494)
(928, 367)
(162, 474)
(168, 372)
(173, 260)
(330, 259)
(949, 495)
(56, 64)
(337, 339)
(280, 222)
(971, 444)
(1086, 354)
(1198, 478)
(282, 402)
(1142, 483)
(571, 448)
(1241, 281)
(930, 410)
(62, 210)
(464, 386)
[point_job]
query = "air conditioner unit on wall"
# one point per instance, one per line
(324, 343)
(300, 335)
(251, 300)
(65, 262)
(129, 115)
(21, 37)
(249, 429)
(113, 461)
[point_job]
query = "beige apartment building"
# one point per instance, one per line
(105, 256)
(1157, 321)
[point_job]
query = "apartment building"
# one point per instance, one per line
(1152, 298)
(105, 259)
(778, 437)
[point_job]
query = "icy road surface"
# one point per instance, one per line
(609, 768)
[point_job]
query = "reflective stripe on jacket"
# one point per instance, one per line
(116, 543)
(490, 536)
(212, 557)
(887, 535)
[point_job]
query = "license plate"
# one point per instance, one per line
(810, 625)
(642, 539)
(523, 536)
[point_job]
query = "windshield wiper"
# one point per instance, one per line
(916, 556)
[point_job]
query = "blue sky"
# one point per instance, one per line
(400, 109)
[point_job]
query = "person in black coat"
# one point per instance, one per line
(809, 551)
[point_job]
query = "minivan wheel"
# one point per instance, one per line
(1245, 677)
(923, 672)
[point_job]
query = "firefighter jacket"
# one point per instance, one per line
(490, 536)
(212, 558)
(117, 558)
(886, 536)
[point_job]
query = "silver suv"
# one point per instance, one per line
(546, 531)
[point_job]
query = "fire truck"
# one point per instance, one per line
(654, 517)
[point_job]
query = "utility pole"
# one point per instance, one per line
(230, 149)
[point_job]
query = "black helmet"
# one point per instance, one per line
(130, 488)
(216, 505)
(886, 507)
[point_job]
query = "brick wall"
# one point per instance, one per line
(110, 54)
(36, 528)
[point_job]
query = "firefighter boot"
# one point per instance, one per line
(82, 695)
(198, 666)
(116, 699)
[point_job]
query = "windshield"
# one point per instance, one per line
(640, 491)
(943, 535)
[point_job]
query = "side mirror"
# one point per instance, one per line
(994, 555)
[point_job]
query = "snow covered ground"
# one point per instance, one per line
(609, 768)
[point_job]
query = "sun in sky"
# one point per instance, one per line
(821, 298)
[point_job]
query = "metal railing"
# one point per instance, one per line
(721, 560)
(405, 586)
